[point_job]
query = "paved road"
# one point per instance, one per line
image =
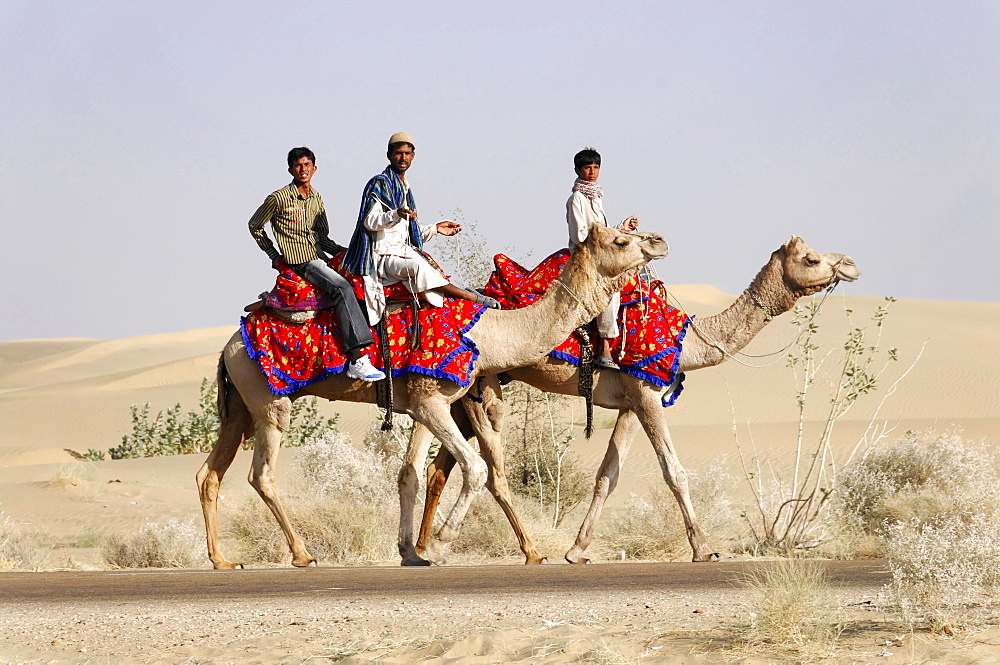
(111, 586)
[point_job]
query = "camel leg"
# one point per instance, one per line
(436, 416)
(487, 422)
(236, 425)
(416, 452)
(268, 426)
(437, 477)
(654, 421)
(607, 479)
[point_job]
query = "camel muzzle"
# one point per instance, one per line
(653, 244)
(846, 270)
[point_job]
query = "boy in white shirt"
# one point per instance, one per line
(585, 207)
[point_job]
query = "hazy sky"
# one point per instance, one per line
(139, 137)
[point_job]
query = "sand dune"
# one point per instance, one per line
(59, 396)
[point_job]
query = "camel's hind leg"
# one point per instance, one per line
(235, 427)
(437, 477)
(486, 419)
(487, 422)
(438, 472)
(607, 480)
(270, 422)
(436, 416)
(655, 424)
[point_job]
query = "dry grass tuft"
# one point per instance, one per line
(653, 528)
(791, 607)
(19, 545)
(924, 477)
(930, 503)
(608, 654)
(173, 544)
(486, 531)
(343, 505)
(945, 574)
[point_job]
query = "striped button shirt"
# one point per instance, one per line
(299, 225)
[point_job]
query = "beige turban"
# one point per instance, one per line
(401, 137)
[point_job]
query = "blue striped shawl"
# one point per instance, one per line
(386, 189)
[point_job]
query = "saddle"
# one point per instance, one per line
(295, 301)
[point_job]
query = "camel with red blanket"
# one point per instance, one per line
(502, 340)
(794, 270)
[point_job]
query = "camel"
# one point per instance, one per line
(794, 270)
(505, 339)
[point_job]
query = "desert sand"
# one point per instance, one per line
(62, 397)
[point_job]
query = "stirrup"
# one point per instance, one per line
(606, 362)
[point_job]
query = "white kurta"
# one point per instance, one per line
(397, 261)
(581, 212)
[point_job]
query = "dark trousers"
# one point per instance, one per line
(354, 330)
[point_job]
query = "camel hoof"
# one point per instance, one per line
(437, 553)
(415, 562)
(535, 560)
(226, 565)
(701, 558)
(304, 563)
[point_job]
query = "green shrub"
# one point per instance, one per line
(792, 514)
(172, 432)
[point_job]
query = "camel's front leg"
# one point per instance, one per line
(234, 427)
(654, 421)
(416, 452)
(437, 418)
(267, 443)
(487, 422)
(607, 480)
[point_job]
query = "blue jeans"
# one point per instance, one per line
(354, 330)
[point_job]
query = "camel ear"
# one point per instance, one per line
(792, 241)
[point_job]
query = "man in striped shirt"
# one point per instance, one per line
(298, 220)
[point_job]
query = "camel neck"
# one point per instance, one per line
(737, 325)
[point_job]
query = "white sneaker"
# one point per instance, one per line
(363, 370)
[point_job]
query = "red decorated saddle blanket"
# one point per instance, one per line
(291, 292)
(292, 356)
(652, 331)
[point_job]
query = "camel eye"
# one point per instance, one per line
(811, 261)
(622, 243)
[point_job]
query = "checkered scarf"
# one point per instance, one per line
(589, 189)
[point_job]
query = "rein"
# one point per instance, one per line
(767, 311)
(570, 291)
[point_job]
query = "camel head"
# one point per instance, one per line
(806, 271)
(615, 252)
